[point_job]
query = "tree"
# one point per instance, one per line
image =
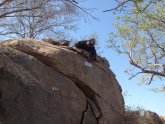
(8, 7)
(41, 17)
(123, 4)
(141, 36)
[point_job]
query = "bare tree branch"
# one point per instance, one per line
(143, 69)
(163, 49)
(147, 71)
(120, 5)
(147, 6)
(15, 11)
(135, 75)
(4, 2)
(83, 10)
(151, 79)
(123, 4)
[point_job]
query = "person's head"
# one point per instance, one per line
(91, 42)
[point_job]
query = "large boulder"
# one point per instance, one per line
(142, 117)
(41, 83)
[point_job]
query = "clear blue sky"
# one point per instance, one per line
(136, 95)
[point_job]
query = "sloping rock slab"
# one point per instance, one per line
(101, 90)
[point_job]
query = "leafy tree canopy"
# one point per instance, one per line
(141, 36)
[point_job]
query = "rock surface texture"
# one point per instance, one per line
(41, 83)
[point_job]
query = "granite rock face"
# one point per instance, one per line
(42, 83)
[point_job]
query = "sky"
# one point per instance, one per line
(136, 95)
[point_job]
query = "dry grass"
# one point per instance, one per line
(141, 116)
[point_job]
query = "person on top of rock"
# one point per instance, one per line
(88, 45)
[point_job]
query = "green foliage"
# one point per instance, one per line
(141, 36)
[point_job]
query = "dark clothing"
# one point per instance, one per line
(91, 49)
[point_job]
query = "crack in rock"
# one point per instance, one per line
(83, 113)
(91, 100)
(89, 110)
(89, 93)
(95, 111)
